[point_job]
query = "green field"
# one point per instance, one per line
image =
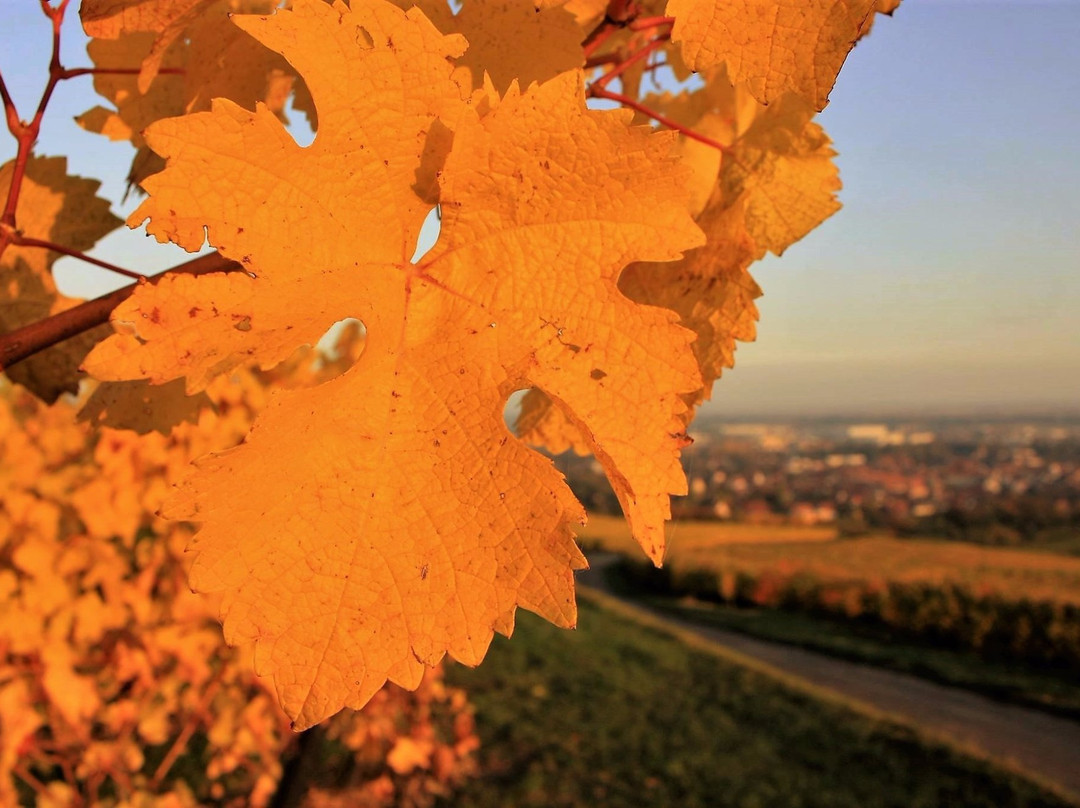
(618, 713)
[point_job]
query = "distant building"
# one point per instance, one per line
(879, 434)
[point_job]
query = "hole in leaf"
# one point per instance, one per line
(343, 338)
(302, 120)
(512, 409)
(336, 351)
(429, 234)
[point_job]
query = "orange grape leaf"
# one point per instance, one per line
(142, 407)
(74, 695)
(886, 7)
(62, 209)
(586, 12)
(371, 524)
(399, 76)
(218, 60)
(169, 21)
(711, 290)
(783, 166)
(778, 163)
(515, 40)
(165, 19)
(776, 46)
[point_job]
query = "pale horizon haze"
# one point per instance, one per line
(948, 282)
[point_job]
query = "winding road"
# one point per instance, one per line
(1040, 743)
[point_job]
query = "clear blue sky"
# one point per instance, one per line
(949, 280)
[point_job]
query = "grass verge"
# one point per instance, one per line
(619, 713)
(874, 645)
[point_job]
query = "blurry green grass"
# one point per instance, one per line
(620, 714)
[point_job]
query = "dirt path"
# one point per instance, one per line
(1041, 743)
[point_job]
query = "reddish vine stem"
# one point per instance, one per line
(26, 134)
(605, 59)
(597, 38)
(75, 72)
(641, 53)
(618, 14)
(10, 113)
(645, 23)
(30, 339)
(24, 241)
(623, 14)
(627, 101)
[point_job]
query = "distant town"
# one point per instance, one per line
(1000, 481)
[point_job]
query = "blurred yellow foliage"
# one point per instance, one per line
(116, 686)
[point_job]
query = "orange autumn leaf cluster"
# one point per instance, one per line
(370, 524)
(115, 681)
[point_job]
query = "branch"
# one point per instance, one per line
(30, 339)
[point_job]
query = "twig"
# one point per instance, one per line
(618, 14)
(24, 241)
(75, 72)
(627, 101)
(10, 113)
(641, 53)
(645, 23)
(27, 133)
(604, 59)
(598, 36)
(31, 339)
(190, 726)
(56, 17)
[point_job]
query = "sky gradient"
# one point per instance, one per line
(947, 283)
(949, 280)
